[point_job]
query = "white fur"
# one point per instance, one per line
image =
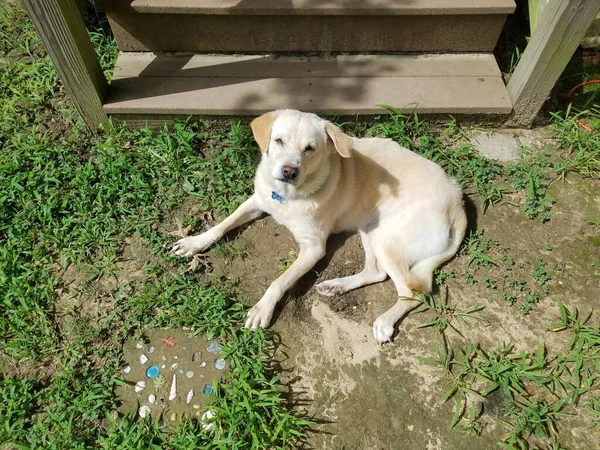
(409, 213)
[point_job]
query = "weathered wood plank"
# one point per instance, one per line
(562, 26)
(61, 28)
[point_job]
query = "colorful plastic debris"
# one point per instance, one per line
(208, 389)
(143, 359)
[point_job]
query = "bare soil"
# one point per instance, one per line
(367, 396)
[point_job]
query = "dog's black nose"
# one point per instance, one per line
(289, 172)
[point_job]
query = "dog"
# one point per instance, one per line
(316, 180)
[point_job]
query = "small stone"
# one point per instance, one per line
(196, 406)
(186, 328)
(197, 356)
(208, 389)
(144, 411)
(163, 366)
(126, 369)
(151, 349)
(181, 371)
(151, 398)
(143, 359)
(203, 364)
(139, 345)
(189, 374)
(173, 417)
(175, 357)
(139, 386)
(220, 364)
(152, 372)
(198, 413)
(174, 366)
(164, 358)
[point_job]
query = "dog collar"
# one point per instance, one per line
(276, 196)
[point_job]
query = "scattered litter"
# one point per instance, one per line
(169, 341)
(163, 366)
(143, 359)
(173, 392)
(208, 389)
(175, 357)
(139, 386)
(186, 328)
(197, 356)
(152, 372)
(207, 423)
(151, 349)
(181, 371)
(196, 406)
(151, 398)
(174, 366)
(126, 369)
(189, 374)
(139, 345)
(220, 364)
(203, 364)
(215, 347)
(144, 411)
(190, 396)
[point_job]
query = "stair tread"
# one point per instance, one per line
(248, 85)
(312, 7)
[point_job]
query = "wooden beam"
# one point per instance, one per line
(562, 26)
(61, 28)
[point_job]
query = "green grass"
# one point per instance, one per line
(71, 199)
(68, 199)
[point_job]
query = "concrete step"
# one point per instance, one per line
(307, 25)
(164, 86)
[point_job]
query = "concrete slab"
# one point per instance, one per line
(497, 144)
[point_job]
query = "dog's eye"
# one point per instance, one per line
(279, 141)
(309, 149)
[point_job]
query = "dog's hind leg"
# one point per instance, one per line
(372, 273)
(397, 268)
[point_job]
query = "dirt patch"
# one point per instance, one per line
(370, 396)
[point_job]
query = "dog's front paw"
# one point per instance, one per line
(189, 246)
(383, 329)
(260, 315)
(330, 288)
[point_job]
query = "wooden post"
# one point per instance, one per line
(562, 26)
(61, 28)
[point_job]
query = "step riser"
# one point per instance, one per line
(211, 33)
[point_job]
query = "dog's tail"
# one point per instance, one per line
(420, 277)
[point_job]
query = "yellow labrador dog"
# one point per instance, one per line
(316, 180)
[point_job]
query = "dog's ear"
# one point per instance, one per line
(342, 142)
(261, 127)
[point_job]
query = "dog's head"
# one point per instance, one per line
(296, 143)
